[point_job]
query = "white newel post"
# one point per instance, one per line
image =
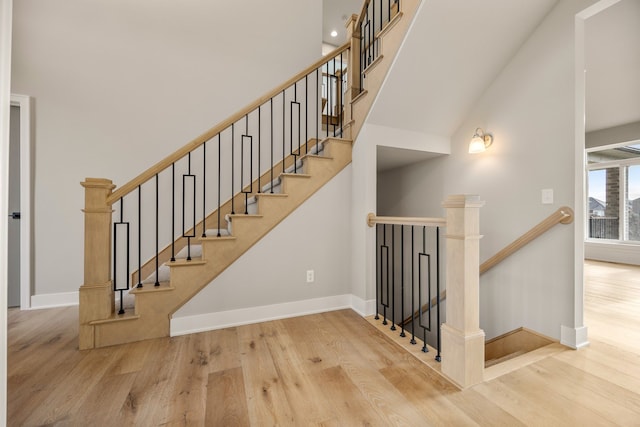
(462, 338)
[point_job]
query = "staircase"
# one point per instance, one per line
(267, 159)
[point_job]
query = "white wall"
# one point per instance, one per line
(314, 237)
(614, 135)
(529, 108)
(118, 85)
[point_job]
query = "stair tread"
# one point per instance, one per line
(241, 215)
(164, 286)
(128, 315)
(183, 262)
(216, 238)
(298, 175)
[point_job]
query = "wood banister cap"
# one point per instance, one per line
(463, 201)
(98, 183)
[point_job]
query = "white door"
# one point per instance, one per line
(13, 258)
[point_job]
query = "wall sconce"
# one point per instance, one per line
(480, 141)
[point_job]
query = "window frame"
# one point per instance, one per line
(622, 165)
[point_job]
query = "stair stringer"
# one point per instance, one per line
(154, 307)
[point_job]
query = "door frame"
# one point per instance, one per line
(26, 195)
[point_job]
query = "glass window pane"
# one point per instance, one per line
(633, 202)
(604, 203)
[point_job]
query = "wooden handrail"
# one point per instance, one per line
(564, 215)
(198, 141)
(372, 220)
(365, 6)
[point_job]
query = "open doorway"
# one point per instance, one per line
(19, 254)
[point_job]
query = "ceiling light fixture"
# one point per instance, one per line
(334, 33)
(480, 141)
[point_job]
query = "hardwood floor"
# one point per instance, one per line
(331, 369)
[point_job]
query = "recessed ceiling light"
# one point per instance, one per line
(334, 33)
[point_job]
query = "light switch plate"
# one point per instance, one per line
(547, 196)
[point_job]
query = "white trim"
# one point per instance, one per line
(363, 307)
(611, 146)
(575, 338)
(612, 251)
(245, 316)
(24, 103)
(62, 299)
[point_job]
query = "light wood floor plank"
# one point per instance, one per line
(226, 399)
(329, 369)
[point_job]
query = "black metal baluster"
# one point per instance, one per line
(219, 179)
(425, 348)
(373, 15)
(204, 191)
(306, 114)
(233, 211)
(139, 285)
(272, 165)
(291, 145)
(157, 233)
(341, 97)
(385, 276)
(438, 358)
(402, 334)
(243, 187)
(413, 289)
(283, 129)
(393, 277)
(378, 271)
(115, 256)
(259, 150)
(318, 101)
(186, 178)
(335, 100)
(173, 211)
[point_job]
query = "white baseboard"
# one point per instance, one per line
(574, 337)
(363, 307)
(62, 299)
(244, 316)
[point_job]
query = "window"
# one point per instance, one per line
(613, 205)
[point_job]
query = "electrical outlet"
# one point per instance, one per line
(310, 276)
(547, 196)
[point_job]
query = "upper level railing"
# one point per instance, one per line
(374, 16)
(408, 276)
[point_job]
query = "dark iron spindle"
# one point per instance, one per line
(204, 190)
(259, 150)
(438, 358)
(139, 237)
(413, 289)
(188, 177)
(157, 234)
(402, 334)
(272, 167)
(284, 98)
(233, 211)
(173, 210)
(378, 272)
(393, 277)
(219, 180)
